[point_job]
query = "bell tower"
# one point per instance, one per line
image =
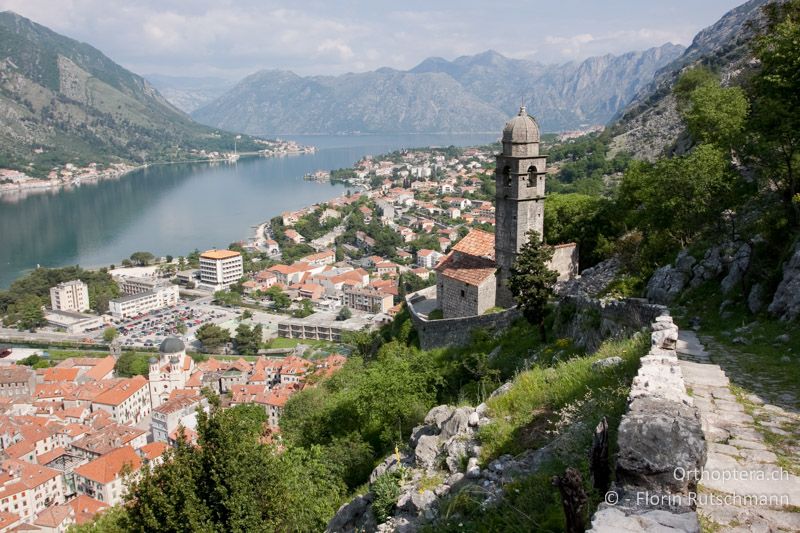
(519, 203)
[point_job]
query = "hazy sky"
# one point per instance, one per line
(232, 38)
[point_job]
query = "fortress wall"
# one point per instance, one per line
(454, 331)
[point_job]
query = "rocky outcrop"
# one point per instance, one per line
(660, 433)
(786, 301)
(592, 281)
(730, 260)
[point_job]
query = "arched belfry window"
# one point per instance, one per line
(507, 175)
(532, 176)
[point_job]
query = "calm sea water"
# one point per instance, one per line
(173, 209)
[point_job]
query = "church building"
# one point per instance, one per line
(170, 371)
(473, 278)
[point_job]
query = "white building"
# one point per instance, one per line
(70, 296)
(220, 268)
(428, 258)
(143, 302)
(170, 371)
(181, 411)
(139, 284)
(128, 401)
(103, 478)
(28, 489)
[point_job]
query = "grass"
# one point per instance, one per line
(537, 396)
(436, 314)
(493, 310)
(281, 342)
(569, 399)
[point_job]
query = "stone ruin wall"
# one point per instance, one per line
(659, 437)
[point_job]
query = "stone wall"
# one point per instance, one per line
(459, 299)
(454, 331)
(659, 437)
(565, 261)
(589, 321)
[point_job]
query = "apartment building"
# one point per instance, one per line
(220, 268)
(70, 296)
(143, 302)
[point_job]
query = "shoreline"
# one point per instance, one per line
(29, 185)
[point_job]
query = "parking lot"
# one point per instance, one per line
(148, 330)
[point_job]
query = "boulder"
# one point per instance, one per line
(755, 300)
(656, 437)
(438, 415)
(474, 418)
(427, 451)
(353, 516)
(502, 389)
(473, 470)
(456, 449)
(608, 362)
(389, 464)
(737, 267)
(419, 431)
(708, 268)
(457, 423)
(786, 301)
(666, 284)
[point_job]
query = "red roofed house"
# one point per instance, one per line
(467, 284)
(26, 490)
(102, 478)
(127, 402)
(86, 508)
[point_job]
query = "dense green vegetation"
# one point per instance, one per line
(21, 304)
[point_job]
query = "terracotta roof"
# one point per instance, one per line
(172, 405)
(103, 367)
(7, 520)
(85, 508)
(153, 450)
(219, 254)
(55, 374)
(469, 269)
(121, 391)
(478, 243)
(25, 476)
(107, 468)
(54, 516)
(14, 373)
(52, 455)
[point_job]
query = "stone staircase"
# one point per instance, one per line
(742, 488)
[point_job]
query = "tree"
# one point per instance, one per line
(181, 327)
(247, 314)
(142, 258)
(713, 114)
(278, 297)
(344, 313)
(531, 281)
(132, 364)
(774, 125)
(306, 309)
(248, 340)
(212, 336)
(110, 333)
(29, 313)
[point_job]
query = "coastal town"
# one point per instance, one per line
(76, 430)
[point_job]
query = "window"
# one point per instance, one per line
(507, 175)
(463, 293)
(532, 176)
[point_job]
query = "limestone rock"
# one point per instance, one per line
(456, 449)
(739, 264)
(427, 451)
(502, 389)
(608, 362)
(654, 438)
(708, 268)
(473, 470)
(755, 300)
(353, 516)
(457, 423)
(419, 431)
(786, 301)
(666, 284)
(474, 418)
(438, 415)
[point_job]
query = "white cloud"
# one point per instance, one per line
(236, 37)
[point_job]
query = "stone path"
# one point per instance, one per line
(745, 485)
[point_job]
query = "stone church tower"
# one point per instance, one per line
(519, 207)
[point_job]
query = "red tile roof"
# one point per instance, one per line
(108, 467)
(478, 243)
(86, 508)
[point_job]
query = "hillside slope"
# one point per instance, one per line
(650, 123)
(470, 93)
(64, 101)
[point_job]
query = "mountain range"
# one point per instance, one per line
(63, 101)
(650, 123)
(468, 94)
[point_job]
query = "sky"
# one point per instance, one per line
(233, 38)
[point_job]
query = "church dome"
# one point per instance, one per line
(521, 129)
(171, 345)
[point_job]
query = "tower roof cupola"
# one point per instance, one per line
(521, 135)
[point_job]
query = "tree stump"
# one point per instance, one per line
(598, 458)
(573, 498)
